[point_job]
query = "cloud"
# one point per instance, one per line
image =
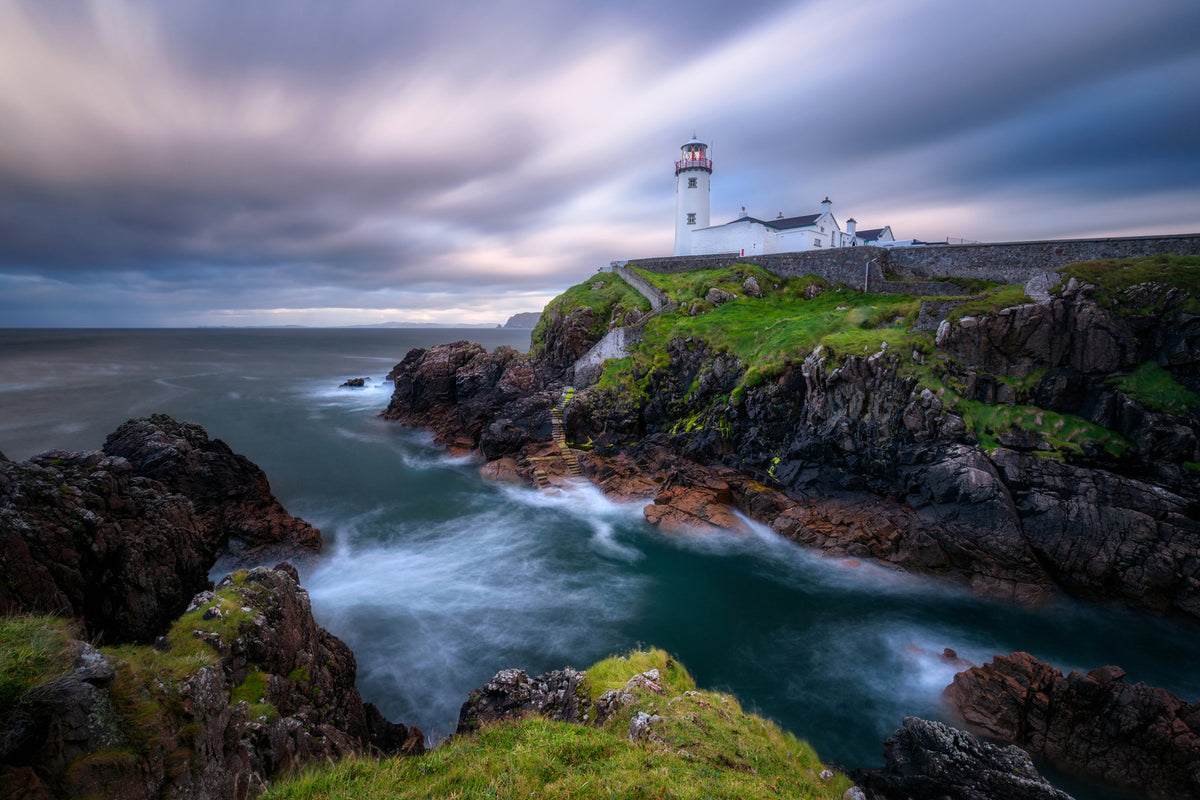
(166, 162)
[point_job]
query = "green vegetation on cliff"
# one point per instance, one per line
(704, 746)
(1157, 389)
(605, 294)
(791, 319)
(1116, 277)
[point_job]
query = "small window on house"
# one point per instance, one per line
(691, 219)
(691, 183)
(816, 242)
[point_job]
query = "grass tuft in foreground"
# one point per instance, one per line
(32, 650)
(704, 747)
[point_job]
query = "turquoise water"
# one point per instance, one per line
(438, 579)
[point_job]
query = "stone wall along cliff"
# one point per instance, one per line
(1007, 262)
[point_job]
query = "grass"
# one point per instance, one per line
(1061, 434)
(1155, 388)
(686, 287)
(705, 747)
(1113, 278)
(32, 650)
(146, 690)
(998, 300)
(605, 293)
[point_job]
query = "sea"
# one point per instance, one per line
(438, 578)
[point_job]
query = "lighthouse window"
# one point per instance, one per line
(691, 183)
(691, 219)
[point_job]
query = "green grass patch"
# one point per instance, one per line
(615, 671)
(998, 300)
(604, 293)
(693, 285)
(32, 650)
(1155, 388)
(253, 689)
(146, 688)
(767, 334)
(1113, 277)
(1063, 435)
(705, 747)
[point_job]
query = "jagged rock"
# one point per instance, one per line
(354, 383)
(473, 399)
(750, 286)
(1134, 736)
(640, 725)
(512, 694)
(83, 536)
(932, 761)
(108, 727)
(718, 297)
(230, 493)
(122, 539)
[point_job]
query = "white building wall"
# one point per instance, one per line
(743, 237)
(694, 201)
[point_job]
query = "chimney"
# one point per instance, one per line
(780, 215)
(826, 204)
(851, 227)
(743, 214)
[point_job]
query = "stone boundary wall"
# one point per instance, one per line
(591, 364)
(644, 287)
(1007, 262)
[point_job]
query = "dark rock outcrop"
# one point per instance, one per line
(472, 399)
(230, 493)
(354, 383)
(81, 535)
(512, 694)
(122, 539)
(932, 761)
(1131, 735)
(275, 692)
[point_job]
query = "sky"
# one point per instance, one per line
(305, 162)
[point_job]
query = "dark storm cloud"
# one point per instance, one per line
(183, 160)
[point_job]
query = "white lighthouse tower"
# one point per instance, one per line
(692, 176)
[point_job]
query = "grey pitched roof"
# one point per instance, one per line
(872, 233)
(792, 222)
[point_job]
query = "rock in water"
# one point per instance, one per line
(932, 761)
(1135, 736)
(354, 383)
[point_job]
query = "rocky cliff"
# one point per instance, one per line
(1026, 448)
(122, 538)
(239, 683)
(1139, 737)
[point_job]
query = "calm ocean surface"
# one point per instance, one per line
(438, 579)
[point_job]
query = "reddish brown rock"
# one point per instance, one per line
(1130, 735)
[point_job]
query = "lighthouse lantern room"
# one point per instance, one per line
(692, 186)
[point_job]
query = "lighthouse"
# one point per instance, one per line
(693, 171)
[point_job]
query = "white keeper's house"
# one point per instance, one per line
(747, 235)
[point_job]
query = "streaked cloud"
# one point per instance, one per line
(176, 163)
